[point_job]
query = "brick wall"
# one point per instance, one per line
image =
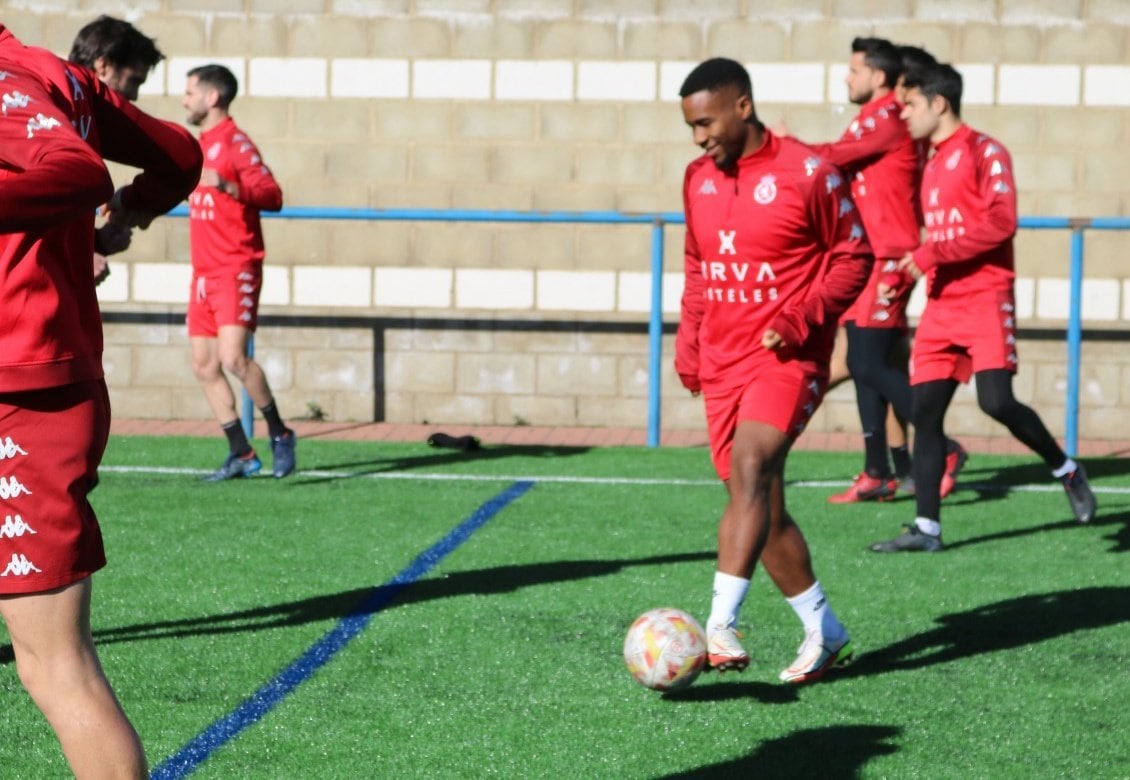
(570, 105)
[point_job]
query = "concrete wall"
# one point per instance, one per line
(571, 105)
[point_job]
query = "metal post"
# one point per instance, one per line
(655, 335)
(248, 409)
(1074, 342)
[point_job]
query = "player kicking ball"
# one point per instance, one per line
(775, 252)
(968, 327)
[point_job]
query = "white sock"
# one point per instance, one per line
(815, 614)
(1068, 466)
(928, 526)
(729, 593)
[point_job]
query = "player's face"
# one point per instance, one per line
(719, 121)
(195, 101)
(126, 80)
(860, 79)
(922, 115)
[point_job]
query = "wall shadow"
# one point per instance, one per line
(831, 753)
(361, 468)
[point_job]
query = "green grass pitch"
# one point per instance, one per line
(1005, 656)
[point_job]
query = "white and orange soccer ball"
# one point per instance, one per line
(665, 649)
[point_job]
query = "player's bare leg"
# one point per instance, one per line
(838, 372)
(206, 365)
(58, 665)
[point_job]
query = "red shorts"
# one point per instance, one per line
(51, 442)
(957, 339)
(783, 395)
(224, 300)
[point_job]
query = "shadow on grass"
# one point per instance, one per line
(365, 601)
(1120, 537)
(830, 753)
(361, 468)
(1003, 625)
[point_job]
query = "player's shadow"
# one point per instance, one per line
(1003, 625)
(1120, 522)
(435, 458)
(829, 753)
(361, 602)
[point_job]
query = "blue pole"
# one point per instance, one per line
(655, 335)
(1074, 342)
(248, 409)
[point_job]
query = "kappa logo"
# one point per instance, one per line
(20, 566)
(846, 207)
(1001, 188)
(882, 315)
(246, 288)
(766, 190)
(14, 100)
(41, 122)
(14, 526)
(708, 188)
(4, 74)
(246, 302)
(856, 233)
(10, 487)
(833, 181)
(953, 160)
(245, 316)
(9, 449)
(214, 151)
(810, 165)
(243, 276)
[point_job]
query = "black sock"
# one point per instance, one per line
(901, 458)
(237, 439)
(275, 427)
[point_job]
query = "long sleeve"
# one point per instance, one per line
(847, 267)
(257, 186)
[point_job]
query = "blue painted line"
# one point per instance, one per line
(322, 652)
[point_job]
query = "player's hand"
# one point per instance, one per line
(908, 266)
(101, 269)
(884, 293)
(118, 214)
(210, 177)
(772, 341)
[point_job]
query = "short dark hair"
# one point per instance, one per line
(116, 41)
(219, 78)
(915, 58)
(715, 74)
(938, 79)
(882, 55)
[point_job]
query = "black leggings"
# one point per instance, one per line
(877, 383)
(994, 396)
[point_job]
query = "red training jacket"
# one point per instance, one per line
(225, 232)
(969, 207)
(57, 123)
(886, 165)
(774, 243)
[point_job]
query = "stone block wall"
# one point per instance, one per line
(570, 105)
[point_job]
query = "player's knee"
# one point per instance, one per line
(235, 364)
(205, 370)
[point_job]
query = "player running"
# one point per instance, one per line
(775, 252)
(969, 325)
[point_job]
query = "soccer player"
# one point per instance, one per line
(969, 325)
(775, 252)
(58, 124)
(877, 152)
(121, 56)
(227, 270)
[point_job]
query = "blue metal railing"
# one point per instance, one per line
(658, 221)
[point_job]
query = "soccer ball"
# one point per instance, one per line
(665, 649)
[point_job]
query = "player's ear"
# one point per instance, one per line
(745, 106)
(101, 68)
